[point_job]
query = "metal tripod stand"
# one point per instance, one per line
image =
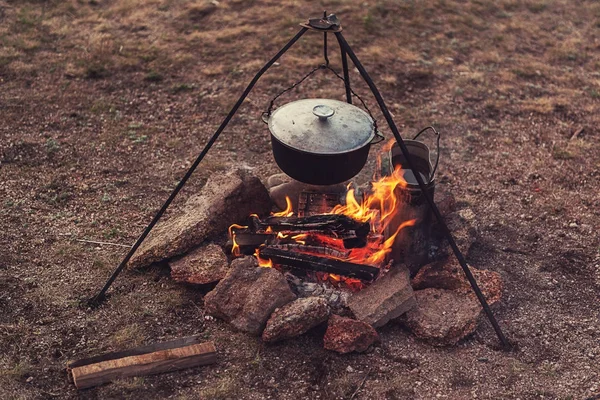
(326, 25)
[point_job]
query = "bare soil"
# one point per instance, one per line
(105, 103)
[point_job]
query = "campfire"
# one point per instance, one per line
(357, 262)
(347, 245)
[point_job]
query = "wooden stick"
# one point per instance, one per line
(322, 264)
(107, 243)
(340, 225)
(147, 360)
(576, 133)
(361, 385)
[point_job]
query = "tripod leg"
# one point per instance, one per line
(346, 73)
(100, 296)
(436, 211)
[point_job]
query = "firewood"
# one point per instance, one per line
(337, 225)
(316, 250)
(322, 264)
(146, 360)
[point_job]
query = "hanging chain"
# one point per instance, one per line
(267, 114)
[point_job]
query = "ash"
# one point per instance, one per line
(337, 298)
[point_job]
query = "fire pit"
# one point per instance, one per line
(348, 244)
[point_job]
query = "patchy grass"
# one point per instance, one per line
(128, 336)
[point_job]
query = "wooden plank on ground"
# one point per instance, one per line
(146, 360)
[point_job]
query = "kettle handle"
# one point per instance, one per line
(265, 117)
(437, 144)
(378, 138)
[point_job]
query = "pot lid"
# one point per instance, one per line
(321, 126)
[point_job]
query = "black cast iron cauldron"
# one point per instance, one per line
(321, 141)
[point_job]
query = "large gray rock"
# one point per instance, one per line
(248, 295)
(345, 335)
(386, 299)
(225, 199)
(206, 264)
(443, 317)
(296, 318)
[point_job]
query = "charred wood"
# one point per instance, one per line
(322, 264)
(337, 225)
(316, 250)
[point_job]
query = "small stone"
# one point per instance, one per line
(29, 380)
(349, 369)
(573, 225)
(248, 295)
(345, 335)
(295, 318)
(205, 264)
(386, 299)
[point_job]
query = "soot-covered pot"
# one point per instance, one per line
(321, 141)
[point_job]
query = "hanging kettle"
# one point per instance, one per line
(321, 141)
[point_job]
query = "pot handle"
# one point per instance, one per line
(378, 138)
(265, 117)
(437, 144)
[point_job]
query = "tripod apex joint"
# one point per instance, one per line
(330, 23)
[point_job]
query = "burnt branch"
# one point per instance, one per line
(322, 264)
(336, 225)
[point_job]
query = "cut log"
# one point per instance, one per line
(146, 360)
(322, 264)
(340, 226)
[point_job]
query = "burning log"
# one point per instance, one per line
(338, 225)
(316, 250)
(322, 264)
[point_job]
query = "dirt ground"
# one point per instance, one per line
(105, 103)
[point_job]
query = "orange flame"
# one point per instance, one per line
(265, 263)
(380, 205)
(235, 248)
(235, 226)
(288, 212)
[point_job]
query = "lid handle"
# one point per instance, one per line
(323, 112)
